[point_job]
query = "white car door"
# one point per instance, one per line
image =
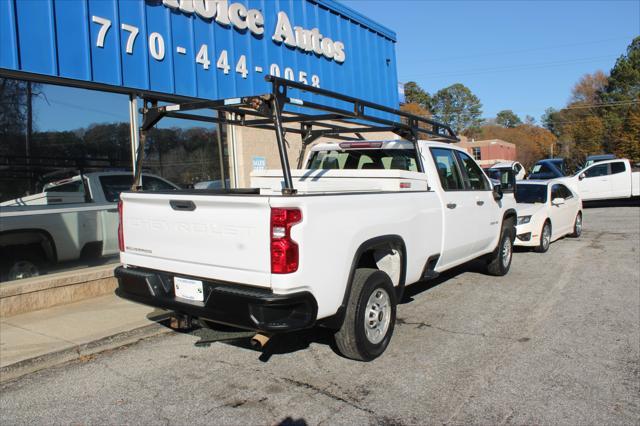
(596, 183)
(620, 180)
(459, 206)
(484, 216)
(559, 214)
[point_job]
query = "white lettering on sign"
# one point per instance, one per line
(238, 16)
(157, 50)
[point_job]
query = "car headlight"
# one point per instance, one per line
(523, 219)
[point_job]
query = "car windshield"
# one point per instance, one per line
(494, 173)
(531, 194)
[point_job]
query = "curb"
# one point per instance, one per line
(31, 365)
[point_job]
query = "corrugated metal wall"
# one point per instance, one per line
(61, 38)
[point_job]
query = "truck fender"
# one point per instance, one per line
(335, 321)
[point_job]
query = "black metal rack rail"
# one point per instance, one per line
(319, 120)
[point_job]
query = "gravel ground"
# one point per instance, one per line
(555, 341)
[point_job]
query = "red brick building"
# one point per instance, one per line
(490, 151)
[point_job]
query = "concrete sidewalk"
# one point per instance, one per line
(40, 339)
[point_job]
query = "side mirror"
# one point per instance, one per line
(497, 192)
(557, 201)
(582, 176)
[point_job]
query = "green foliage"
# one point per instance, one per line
(508, 118)
(458, 107)
(604, 112)
(414, 94)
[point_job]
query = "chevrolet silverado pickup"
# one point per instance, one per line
(607, 179)
(368, 218)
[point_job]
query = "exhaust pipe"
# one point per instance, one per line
(260, 340)
(181, 322)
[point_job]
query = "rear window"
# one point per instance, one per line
(359, 159)
(114, 185)
(531, 194)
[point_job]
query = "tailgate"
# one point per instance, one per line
(220, 237)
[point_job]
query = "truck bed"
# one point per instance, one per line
(321, 181)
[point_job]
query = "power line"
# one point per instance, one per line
(519, 67)
(532, 49)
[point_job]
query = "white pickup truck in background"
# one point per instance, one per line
(604, 180)
(368, 218)
(71, 218)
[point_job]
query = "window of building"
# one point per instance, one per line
(477, 153)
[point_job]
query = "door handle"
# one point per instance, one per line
(480, 202)
(451, 205)
(185, 205)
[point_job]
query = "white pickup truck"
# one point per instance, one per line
(605, 180)
(368, 218)
(69, 219)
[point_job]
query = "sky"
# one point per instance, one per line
(519, 55)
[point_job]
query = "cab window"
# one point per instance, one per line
(476, 180)
(598, 170)
(618, 167)
(358, 159)
(448, 171)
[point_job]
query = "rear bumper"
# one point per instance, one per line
(235, 305)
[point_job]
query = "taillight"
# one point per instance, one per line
(284, 251)
(120, 227)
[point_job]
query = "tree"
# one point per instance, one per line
(508, 118)
(413, 93)
(589, 89)
(532, 142)
(458, 107)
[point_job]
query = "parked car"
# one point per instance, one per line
(369, 217)
(609, 179)
(516, 167)
(547, 210)
(71, 218)
(592, 159)
(549, 168)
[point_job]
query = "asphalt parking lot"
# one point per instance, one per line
(555, 341)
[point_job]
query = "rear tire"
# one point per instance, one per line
(577, 226)
(545, 238)
(370, 317)
(500, 261)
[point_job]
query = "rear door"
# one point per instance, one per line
(460, 233)
(220, 237)
(620, 180)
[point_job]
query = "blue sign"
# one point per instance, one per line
(209, 49)
(259, 164)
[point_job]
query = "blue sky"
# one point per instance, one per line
(519, 55)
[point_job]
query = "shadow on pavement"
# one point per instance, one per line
(624, 202)
(211, 333)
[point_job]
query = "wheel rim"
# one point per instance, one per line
(546, 237)
(506, 252)
(377, 316)
(23, 269)
(578, 224)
